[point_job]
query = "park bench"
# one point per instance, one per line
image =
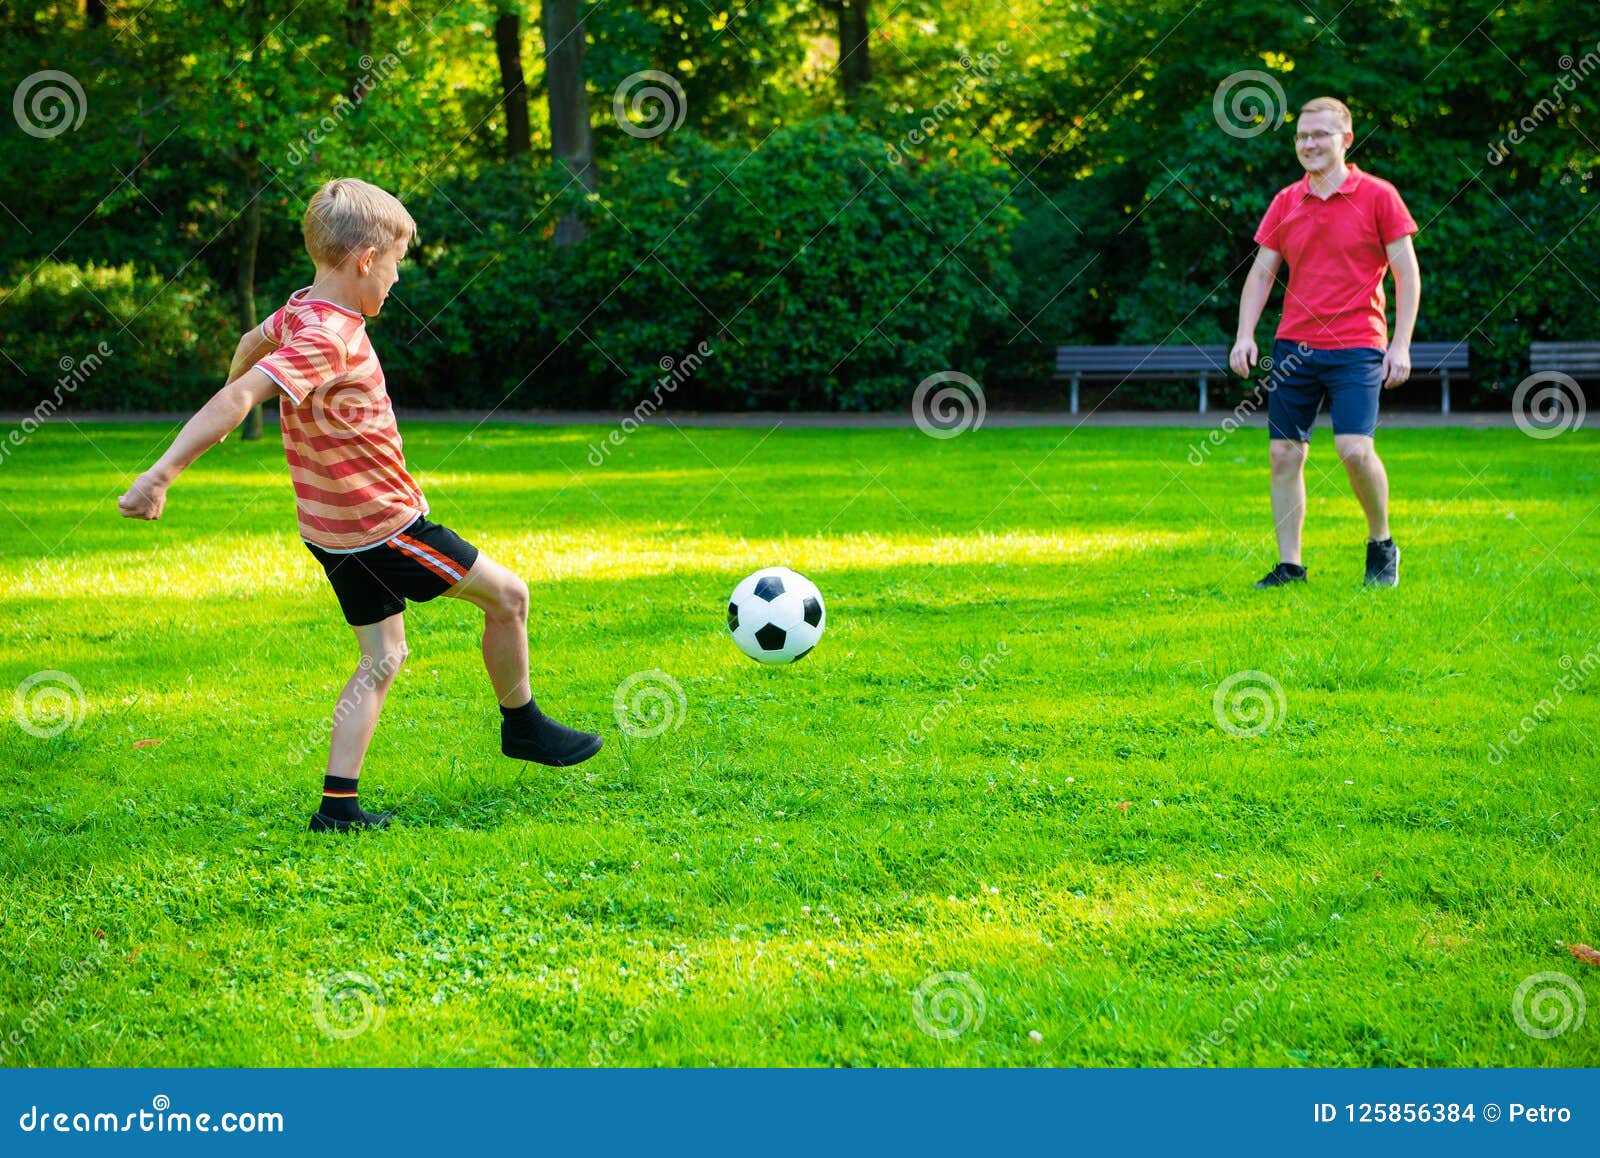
(1120, 364)
(1574, 359)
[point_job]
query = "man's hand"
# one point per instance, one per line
(1396, 364)
(1243, 356)
(145, 498)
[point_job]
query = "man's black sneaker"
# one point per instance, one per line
(546, 742)
(321, 823)
(1281, 574)
(1383, 564)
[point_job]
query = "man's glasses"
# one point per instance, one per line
(1315, 138)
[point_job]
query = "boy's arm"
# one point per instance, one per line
(215, 421)
(252, 347)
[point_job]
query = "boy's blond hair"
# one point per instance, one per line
(1340, 111)
(346, 216)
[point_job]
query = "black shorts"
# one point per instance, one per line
(419, 563)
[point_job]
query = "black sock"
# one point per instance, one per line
(523, 719)
(1293, 568)
(1389, 542)
(339, 798)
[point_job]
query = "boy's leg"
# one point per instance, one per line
(355, 718)
(526, 733)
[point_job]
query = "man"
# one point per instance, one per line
(1339, 229)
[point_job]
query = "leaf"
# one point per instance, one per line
(145, 743)
(1584, 953)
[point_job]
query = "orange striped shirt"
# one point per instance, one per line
(339, 432)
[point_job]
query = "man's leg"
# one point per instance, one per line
(355, 718)
(526, 733)
(1289, 496)
(1368, 479)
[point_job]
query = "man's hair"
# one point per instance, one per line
(1340, 111)
(345, 216)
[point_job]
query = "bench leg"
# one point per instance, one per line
(1444, 392)
(1202, 394)
(1074, 402)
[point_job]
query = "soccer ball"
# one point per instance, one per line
(776, 615)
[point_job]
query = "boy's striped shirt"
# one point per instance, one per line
(339, 433)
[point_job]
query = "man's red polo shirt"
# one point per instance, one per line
(1337, 259)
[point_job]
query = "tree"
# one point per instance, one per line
(570, 139)
(513, 91)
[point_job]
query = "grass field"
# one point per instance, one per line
(1005, 764)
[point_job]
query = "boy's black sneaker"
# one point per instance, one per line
(526, 733)
(324, 823)
(1383, 564)
(1281, 574)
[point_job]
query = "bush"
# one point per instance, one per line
(109, 338)
(779, 261)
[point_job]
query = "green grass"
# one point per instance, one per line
(771, 881)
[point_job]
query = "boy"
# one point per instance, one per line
(361, 514)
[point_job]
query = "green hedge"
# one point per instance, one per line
(110, 338)
(781, 262)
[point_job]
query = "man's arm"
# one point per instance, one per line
(216, 420)
(1407, 297)
(1257, 289)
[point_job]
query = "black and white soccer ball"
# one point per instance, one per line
(776, 615)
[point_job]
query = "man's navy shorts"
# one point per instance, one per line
(1301, 378)
(420, 563)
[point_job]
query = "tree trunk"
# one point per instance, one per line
(855, 51)
(245, 286)
(570, 142)
(95, 10)
(513, 92)
(358, 35)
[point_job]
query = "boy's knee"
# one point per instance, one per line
(513, 600)
(385, 665)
